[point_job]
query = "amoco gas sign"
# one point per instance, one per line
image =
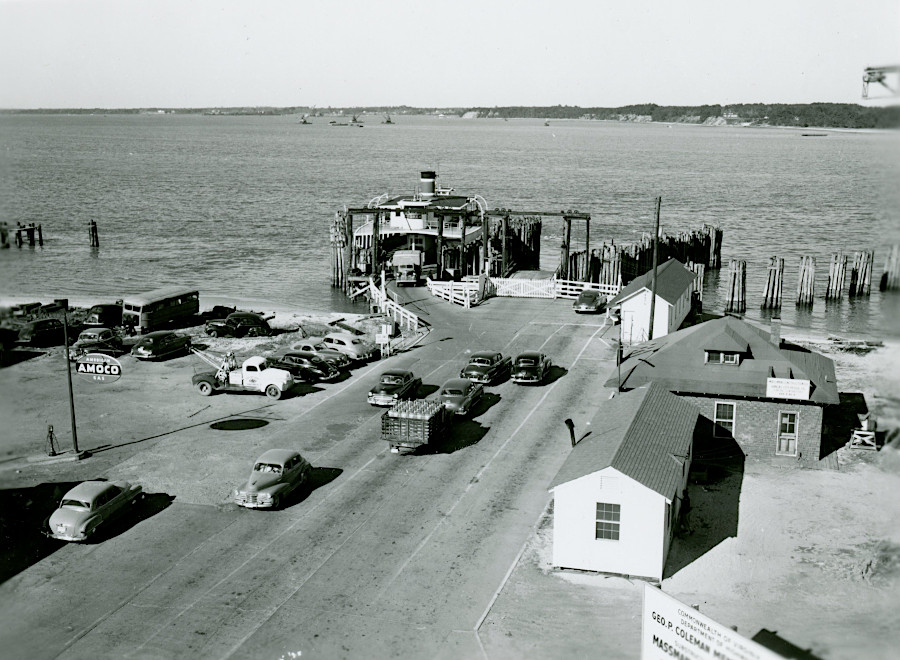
(98, 367)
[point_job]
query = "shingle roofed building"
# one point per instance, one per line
(766, 393)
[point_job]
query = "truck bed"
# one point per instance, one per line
(411, 424)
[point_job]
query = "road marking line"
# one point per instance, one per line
(477, 477)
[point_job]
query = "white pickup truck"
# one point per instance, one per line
(253, 376)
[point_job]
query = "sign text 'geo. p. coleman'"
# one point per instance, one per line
(671, 629)
(98, 368)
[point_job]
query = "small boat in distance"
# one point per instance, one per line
(387, 120)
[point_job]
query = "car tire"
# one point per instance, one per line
(205, 388)
(276, 501)
(253, 332)
(212, 332)
(273, 392)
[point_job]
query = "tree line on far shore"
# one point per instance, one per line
(825, 115)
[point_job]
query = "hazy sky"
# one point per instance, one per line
(460, 53)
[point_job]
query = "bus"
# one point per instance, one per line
(160, 308)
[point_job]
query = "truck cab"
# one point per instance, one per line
(407, 266)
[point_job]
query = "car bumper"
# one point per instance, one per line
(476, 378)
(253, 502)
(66, 536)
(382, 399)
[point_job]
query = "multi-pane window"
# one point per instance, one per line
(786, 443)
(724, 420)
(607, 521)
(722, 357)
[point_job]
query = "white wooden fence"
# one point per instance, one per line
(402, 316)
(466, 293)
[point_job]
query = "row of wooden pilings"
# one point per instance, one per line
(860, 281)
(617, 265)
(33, 234)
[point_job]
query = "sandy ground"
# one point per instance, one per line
(814, 553)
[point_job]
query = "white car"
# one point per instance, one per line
(352, 346)
(90, 504)
(275, 475)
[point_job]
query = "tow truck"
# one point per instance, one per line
(254, 375)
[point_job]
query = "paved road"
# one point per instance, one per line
(388, 556)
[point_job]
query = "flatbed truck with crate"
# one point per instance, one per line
(409, 424)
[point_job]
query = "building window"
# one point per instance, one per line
(721, 357)
(724, 420)
(786, 444)
(607, 521)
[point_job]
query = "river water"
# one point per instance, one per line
(240, 207)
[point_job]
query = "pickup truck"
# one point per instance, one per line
(410, 424)
(486, 367)
(253, 376)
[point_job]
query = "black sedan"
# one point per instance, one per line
(239, 324)
(306, 369)
(160, 344)
(531, 367)
(393, 386)
(589, 301)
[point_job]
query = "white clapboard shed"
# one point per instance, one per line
(618, 495)
(673, 302)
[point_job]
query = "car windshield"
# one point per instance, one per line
(526, 362)
(267, 467)
(147, 341)
(88, 335)
(78, 504)
(588, 296)
(391, 379)
(481, 362)
(452, 392)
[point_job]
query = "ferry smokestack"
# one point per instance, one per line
(426, 184)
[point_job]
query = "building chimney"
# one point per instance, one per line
(571, 425)
(775, 332)
(426, 184)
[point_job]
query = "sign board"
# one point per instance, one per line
(787, 388)
(382, 338)
(98, 368)
(671, 629)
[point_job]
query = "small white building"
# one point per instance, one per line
(673, 302)
(618, 495)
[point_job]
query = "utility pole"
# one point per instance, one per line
(653, 277)
(69, 373)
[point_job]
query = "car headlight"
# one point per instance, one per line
(263, 496)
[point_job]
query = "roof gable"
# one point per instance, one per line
(672, 280)
(676, 361)
(645, 434)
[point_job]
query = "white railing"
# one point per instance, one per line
(521, 288)
(571, 288)
(388, 307)
(458, 293)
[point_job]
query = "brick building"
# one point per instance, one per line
(765, 393)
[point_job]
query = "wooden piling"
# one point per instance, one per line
(837, 270)
(93, 234)
(774, 281)
(890, 278)
(861, 274)
(4, 235)
(806, 282)
(736, 300)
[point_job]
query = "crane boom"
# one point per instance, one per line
(879, 75)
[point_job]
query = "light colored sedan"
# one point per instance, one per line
(89, 505)
(276, 474)
(460, 395)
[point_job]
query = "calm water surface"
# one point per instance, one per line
(241, 206)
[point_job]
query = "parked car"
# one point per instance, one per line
(355, 348)
(275, 475)
(160, 344)
(460, 395)
(531, 367)
(486, 367)
(42, 332)
(96, 340)
(393, 386)
(88, 506)
(104, 316)
(217, 312)
(589, 301)
(239, 324)
(306, 369)
(317, 349)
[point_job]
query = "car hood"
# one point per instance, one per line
(261, 481)
(66, 516)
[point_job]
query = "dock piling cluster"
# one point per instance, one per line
(837, 271)
(736, 299)
(806, 282)
(861, 273)
(774, 284)
(890, 279)
(93, 234)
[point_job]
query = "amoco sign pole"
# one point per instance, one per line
(69, 372)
